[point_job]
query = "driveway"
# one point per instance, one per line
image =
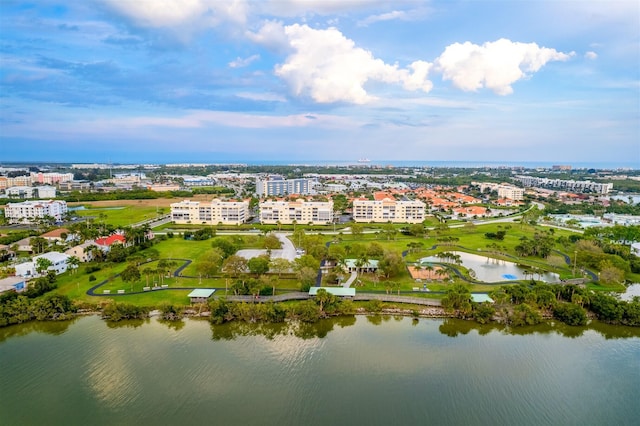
(288, 250)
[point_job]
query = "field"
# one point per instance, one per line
(127, 212)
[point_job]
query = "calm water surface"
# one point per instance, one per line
(351, 371)
(490, 270)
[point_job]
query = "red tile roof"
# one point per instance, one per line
(111, 239)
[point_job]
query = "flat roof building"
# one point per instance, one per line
(277, 186)
(300, 211)
(213, 213)
(389, 210)
(30, 211)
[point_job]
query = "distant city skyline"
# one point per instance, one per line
(292, 81)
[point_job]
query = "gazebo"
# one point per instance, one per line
(201, 295)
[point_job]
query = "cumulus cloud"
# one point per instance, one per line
(271, 35)
(328, 67)
(243, 62)
(494, 65)
(591, 55)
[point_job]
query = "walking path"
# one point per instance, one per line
(351, 279)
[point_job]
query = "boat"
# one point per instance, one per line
(364, 160)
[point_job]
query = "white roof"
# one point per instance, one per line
(53, 256)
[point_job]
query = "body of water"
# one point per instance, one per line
(494, 270)
(377, 370)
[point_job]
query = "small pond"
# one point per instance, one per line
(494, 270)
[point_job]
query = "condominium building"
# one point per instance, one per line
(504, 190)
(300, 211)
(29, 211)
(388, 210)
(8, 182)
(510, 192)
(277, 185)
(571, 185)
(212, 213)
(51, 178)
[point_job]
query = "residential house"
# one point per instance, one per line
(57, 259)
(17, 284)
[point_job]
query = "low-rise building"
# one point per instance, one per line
(388, 210)
(212, 213)
(504, 190)
(26, 192)
(30, 211)
(81, 251)
(17, 284)
(572, 185)
(300, 211)
(105, 243)
(58, 264)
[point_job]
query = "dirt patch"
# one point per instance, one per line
(424, 274)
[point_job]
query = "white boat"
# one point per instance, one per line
(364, 160)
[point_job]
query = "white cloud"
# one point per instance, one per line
(271, 35)
(388, 16)
(328, 67)
(591, 55)
(494, 65)
(180, 13)
(290, 8)
(399, 15)
(268, 97)
(243, 62)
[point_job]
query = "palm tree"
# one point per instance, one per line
(442, 272)
(42, 264)
(72, 263)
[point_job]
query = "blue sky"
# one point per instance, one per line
(315, 80)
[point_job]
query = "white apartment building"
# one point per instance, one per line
(29, 211)
(276, 186)
(300, 211)
(25, 192)
(571, 185)
(388, 210)
(213, 213)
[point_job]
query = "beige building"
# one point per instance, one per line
(504, 190)
(510, 192)
(303, 212)
(388, 210)
(212, 213)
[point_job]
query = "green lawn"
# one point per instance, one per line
(118, 215)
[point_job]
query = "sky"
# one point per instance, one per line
(218, 81)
